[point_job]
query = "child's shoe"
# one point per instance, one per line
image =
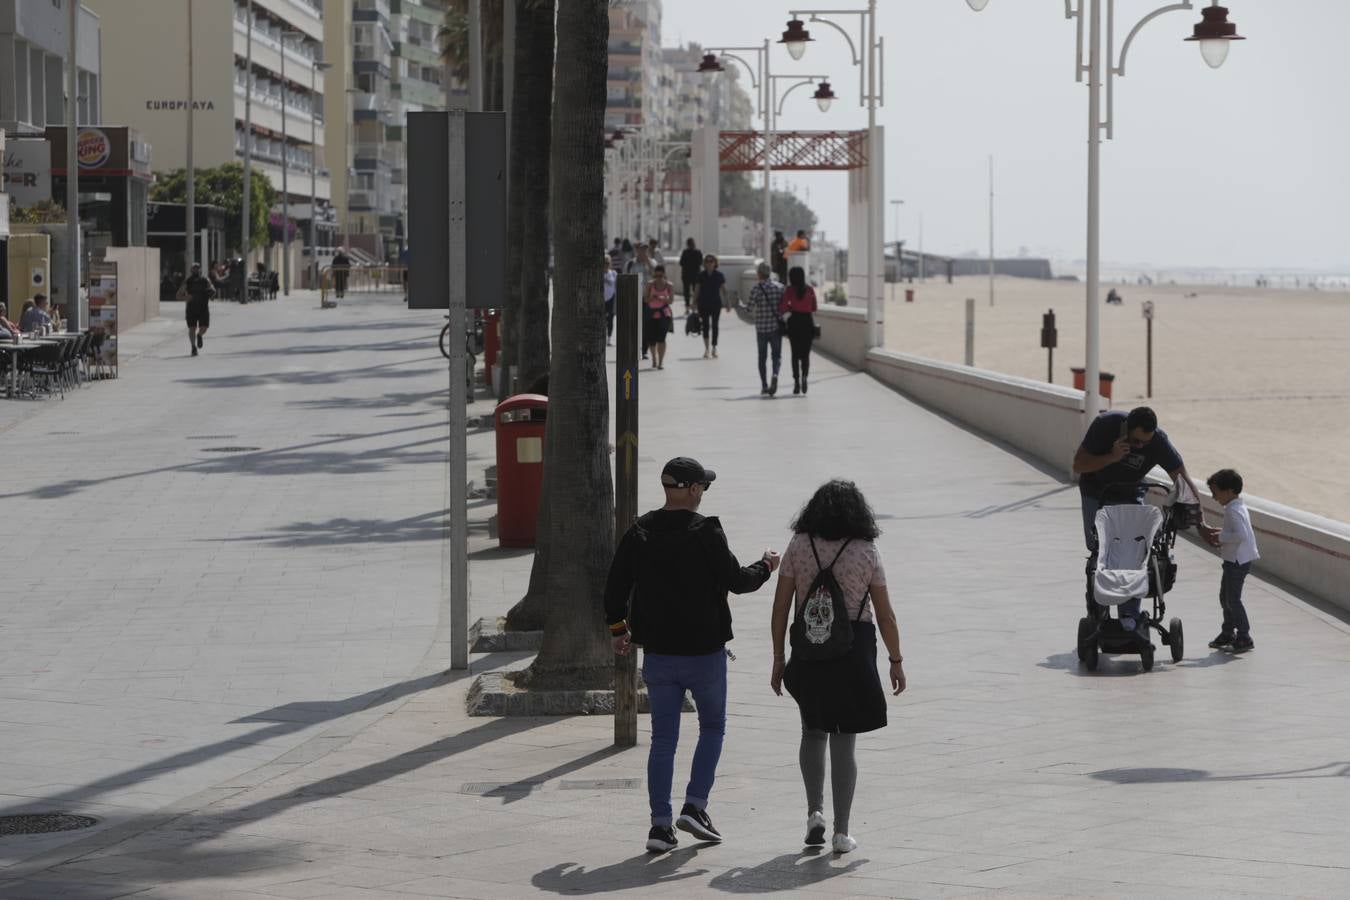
(1223, 640)
(1243, 643)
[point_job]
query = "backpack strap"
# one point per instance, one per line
(866, 596)
(816, 553)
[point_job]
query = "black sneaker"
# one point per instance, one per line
(1243, 644)
(200, 340)
(194, 350)
(773, 386)
(697, 823)
(661, 839)
(1223, 640)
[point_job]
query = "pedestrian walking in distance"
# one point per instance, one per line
(611, 287)
(833, 571)
(763, 301)
(778, 256)
(799, 306)
(712, 294)
(691, 261)
(342, 264)
(196, 290)
(667, 593)
(656, 316)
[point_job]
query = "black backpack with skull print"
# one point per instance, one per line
(821, 628)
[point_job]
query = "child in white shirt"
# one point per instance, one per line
(1237, 545)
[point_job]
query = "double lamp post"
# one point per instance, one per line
(1097, 56)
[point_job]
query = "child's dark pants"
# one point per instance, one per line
(1230, 598)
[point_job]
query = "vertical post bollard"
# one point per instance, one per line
(970, 331)
(627, 308)
(1148, 321)
(1049, 338)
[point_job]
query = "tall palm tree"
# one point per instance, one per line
(576, 650)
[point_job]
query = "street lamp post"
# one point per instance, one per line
(899, 263)
(1214, 33)
(868, 56)
(314, 69)
(247, 212)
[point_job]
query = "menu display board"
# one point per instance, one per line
(103, 314)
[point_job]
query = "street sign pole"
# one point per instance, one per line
(458, 474)
(1148, 322)
(626, 484)
(970, 331)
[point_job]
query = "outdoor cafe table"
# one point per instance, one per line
(14, 351)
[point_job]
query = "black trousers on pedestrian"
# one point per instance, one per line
(690, 283)
(801, 332)
(709, 318)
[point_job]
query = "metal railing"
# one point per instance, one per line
(362, 280)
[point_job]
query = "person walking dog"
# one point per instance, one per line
(667, 593)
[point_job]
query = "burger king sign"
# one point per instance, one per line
(92, 148)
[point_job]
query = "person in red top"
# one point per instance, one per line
(797, 306)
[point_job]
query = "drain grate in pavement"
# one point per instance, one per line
(229, 449)
(211, 437)
(43, 823)
(65, 432)
(497, 788)
(602, 784)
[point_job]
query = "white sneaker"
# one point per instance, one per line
(815, 829)
(714, 353)
(844, 844)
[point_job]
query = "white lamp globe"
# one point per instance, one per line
(1214, 51)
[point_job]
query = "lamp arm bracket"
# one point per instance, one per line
(881, 73)
(1119, 67)
(725, 53)
(818, 15)
(1075, 11)
(803, 81)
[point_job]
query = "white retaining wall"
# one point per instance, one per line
(1307, 551)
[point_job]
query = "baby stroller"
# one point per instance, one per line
(1134, 561)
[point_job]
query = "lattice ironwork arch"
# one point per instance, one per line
(793, 151)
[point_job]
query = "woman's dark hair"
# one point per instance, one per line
(797, 278)
(836, 511)
(627, 246)
(661, 269)
(690, 243)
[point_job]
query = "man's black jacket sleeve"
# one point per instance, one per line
(620, 584)
(738, 579)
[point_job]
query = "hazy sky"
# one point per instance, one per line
(1245, 166)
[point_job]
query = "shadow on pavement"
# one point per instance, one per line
(332, 328)
(1112, 665)
(426, 527)
(636, 872)
(790, 871)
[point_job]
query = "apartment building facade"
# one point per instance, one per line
(146, 87)
(34, 41)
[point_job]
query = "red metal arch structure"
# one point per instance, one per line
(793, 151)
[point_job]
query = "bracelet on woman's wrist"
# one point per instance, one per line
(896, 660)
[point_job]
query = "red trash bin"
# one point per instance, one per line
(1104, 380)
(520, 467)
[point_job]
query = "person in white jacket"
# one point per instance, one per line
(1236, 541)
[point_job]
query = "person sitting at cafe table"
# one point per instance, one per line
(7, 328)
(36, 314)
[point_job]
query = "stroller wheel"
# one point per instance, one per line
(1177, 640)
(1146, 658)
(1087, 643)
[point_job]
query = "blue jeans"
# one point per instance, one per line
(769, 340)
(667, 678)
(1230, 598)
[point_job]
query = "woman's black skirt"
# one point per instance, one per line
(653, 330)
(842, 694)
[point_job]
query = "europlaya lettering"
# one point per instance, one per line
(180, 104)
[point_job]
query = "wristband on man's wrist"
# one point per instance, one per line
(619, 628)
(896, 660)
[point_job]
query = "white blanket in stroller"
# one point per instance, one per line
(1124, 538)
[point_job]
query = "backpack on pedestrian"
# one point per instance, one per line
(693, 324)
(821, 628)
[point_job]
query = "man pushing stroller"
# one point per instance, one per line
(1116, 455)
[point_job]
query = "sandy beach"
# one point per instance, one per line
(1248, 378)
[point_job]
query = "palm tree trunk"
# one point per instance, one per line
(533, 116)
(576, 651)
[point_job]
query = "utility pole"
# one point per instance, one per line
(190, 215)
(74, 309)
(628, 308)
(991, 229)
(247, 211)
(285, 189)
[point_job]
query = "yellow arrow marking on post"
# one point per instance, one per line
(628, 384)
(628, 441)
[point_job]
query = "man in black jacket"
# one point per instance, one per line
(691, 263)
(667, 593)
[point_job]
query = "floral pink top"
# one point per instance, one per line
(857, 569)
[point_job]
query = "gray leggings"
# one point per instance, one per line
(843, 772)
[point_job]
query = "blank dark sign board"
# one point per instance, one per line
(484, 166)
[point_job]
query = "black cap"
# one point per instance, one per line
(681, 472)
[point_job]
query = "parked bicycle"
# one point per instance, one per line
(473, 344)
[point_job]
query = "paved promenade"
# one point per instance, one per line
(236, 660)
